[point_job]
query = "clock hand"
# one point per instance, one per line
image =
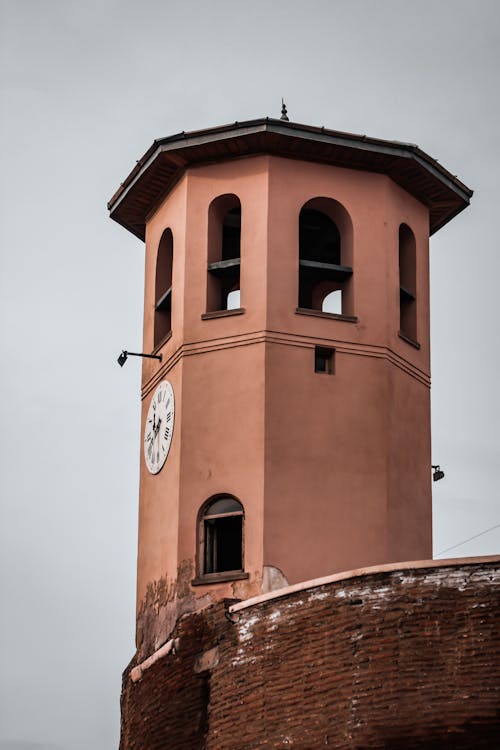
(155, 443)
(156, 429)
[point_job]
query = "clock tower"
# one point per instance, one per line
(286, 429)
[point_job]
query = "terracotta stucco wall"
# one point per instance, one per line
(333, 471)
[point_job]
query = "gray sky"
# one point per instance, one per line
(85, 88)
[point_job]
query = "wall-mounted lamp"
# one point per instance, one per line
(124, 355)
(437, 473)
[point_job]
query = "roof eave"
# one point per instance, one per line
(182, 142)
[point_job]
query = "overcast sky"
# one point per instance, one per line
(85, 88)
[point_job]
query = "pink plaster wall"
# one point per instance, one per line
(347, 455)
(333, 470)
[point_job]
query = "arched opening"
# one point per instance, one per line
(224, 253)
(233, 300)
(332, 303)
(163, 288)
(325, 257)
(221, 536)
(407, 283)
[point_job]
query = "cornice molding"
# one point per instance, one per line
(285, 339)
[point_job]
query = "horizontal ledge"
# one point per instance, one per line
(227, 263)
(222, 313)
(161, 304)
(321, 314)
(316, 265)
(408, 340)
(136, 672)
(236, 575)
(346, 575)
(224, 267)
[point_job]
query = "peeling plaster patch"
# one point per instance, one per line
(273, 579)
(374, 597)
(240, 659)
(165, 602)
(294, 605)
(248, 588)
(407, 578)
(455, 579)
(318, 596)
(244, 628)
(367, 592)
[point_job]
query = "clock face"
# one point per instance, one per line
(159, 427)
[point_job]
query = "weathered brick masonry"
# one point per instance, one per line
(406, 658)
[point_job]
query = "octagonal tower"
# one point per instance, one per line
(287, 292)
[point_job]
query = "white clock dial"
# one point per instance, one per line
(159, 427)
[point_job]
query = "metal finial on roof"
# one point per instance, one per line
(284, 115)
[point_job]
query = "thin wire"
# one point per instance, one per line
(469, 539)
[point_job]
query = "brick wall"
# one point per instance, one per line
(167, 706)
(389, 659)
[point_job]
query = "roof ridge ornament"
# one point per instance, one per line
(284, 115)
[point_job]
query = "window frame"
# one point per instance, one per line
(407, 285)
(163, 293)
(223, 273)
(328, 355)
(316, 277)
(203, 577)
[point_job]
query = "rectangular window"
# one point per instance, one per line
(223, 537)
(324, 360)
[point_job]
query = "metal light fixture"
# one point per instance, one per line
(124, 355)
(437, 473)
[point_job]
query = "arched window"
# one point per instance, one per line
(163, 288)
(224, 237)
(233, 300)
(325, 257)
(332, 303)
(221, 536)
(407, 283)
